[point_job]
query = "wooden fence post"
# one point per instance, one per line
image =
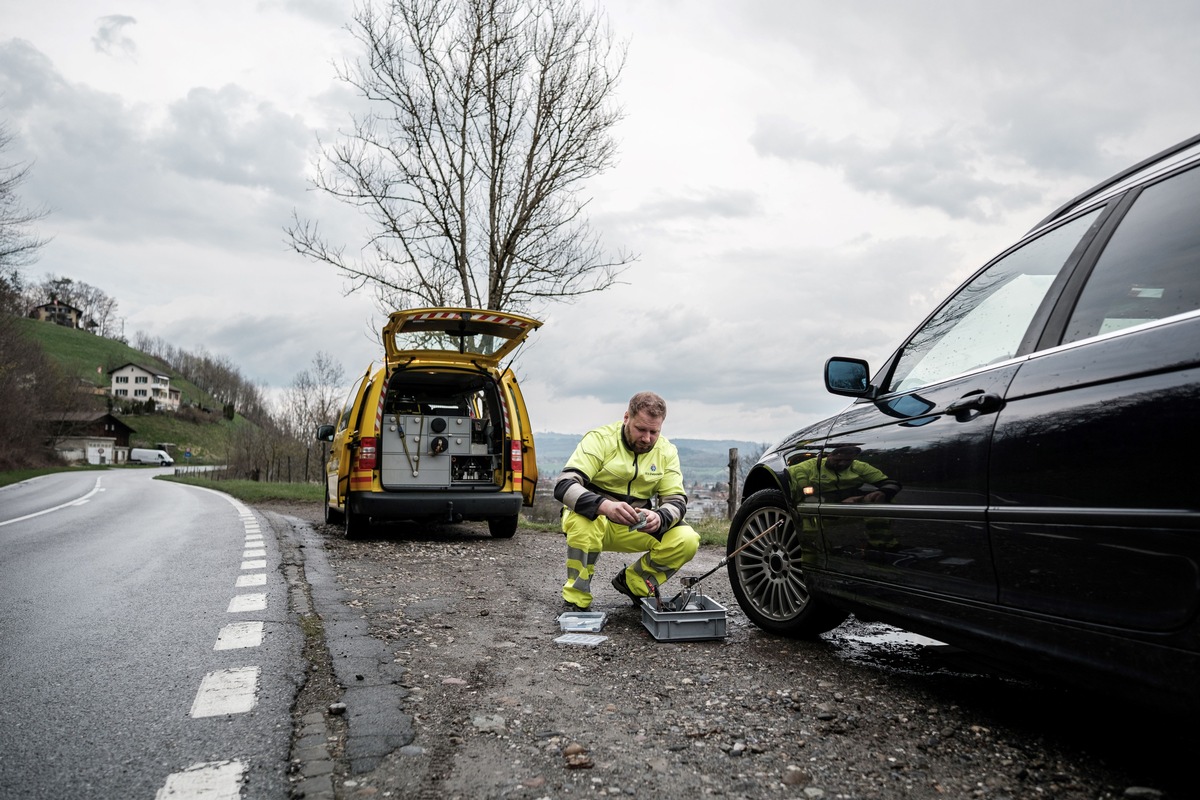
(731, 501)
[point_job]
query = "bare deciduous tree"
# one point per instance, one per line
(99, 311)
(18, 246)
(487, 116)
(313, 398)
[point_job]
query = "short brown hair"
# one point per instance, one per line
(648, 402)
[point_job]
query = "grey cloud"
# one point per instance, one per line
(269, 349)
(334, 12)
(937, 171)
(110, 37)
(100, 163)
(1042, 91)
(710, 203)
(27, 77)
(228, 136)
(780, 314)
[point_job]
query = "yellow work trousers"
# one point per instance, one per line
(587, 539)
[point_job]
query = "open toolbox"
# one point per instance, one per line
(702, 618)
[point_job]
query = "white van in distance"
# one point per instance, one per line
(140, 455)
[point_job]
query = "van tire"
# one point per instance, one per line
(503, 527)
(356, 525)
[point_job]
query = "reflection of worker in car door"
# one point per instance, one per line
(841, 477)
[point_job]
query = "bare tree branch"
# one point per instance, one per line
(487, 117)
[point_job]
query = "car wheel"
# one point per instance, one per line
(503, 527)
(356, 524)
(333, 516)
(767, 578)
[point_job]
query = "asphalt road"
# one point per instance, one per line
(145, 647)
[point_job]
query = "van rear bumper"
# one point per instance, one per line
(382, 506)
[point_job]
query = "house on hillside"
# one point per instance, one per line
(95, 437)
(59, 313)
(134, 382)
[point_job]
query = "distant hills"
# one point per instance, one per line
(703, 460)
(89, 357)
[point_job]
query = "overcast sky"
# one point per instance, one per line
(800, 179)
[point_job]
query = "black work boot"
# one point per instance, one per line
(621, 585)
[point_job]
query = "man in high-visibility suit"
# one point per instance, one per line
(607, 487)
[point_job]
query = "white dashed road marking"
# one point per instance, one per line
(215, 780)
(238, 635)
(226, 691)
(247, 602)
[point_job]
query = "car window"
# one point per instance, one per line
(344, 420)
(986, 320)
(1150, 269)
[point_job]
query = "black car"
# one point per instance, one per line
(1017, 479)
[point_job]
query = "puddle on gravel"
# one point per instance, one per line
(896, 650)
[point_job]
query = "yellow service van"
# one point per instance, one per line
(440, 431)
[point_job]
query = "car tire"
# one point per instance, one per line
(333, 516)
(356, 524)
(767, 578)
(504, 527)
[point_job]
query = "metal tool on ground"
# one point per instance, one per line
(680, 601)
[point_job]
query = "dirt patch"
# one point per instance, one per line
(502, 710)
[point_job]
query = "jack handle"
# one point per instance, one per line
(691, 582)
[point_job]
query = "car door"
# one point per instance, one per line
(522, 437)
(1095, 511)
(927, 432)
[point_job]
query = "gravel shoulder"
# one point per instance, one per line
(499, 709)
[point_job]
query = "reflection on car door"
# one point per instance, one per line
(932, 533)
(930, 430)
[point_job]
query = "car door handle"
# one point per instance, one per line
(972, 405)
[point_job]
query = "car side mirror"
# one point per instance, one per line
(848, 376)
(325, 433)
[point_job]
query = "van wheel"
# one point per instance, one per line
(333, 516)
(767, 578)
(503, 527)
(356, 525)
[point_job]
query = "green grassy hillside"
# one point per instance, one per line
(90, 357)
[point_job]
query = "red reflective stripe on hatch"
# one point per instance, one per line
(379, 408)
(497, 318)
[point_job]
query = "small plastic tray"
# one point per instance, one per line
(704, 619)
(588, 639)
(582, 621)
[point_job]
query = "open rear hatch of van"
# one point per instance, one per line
(453, 336)
(445, 420)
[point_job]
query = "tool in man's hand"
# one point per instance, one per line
(680, 601)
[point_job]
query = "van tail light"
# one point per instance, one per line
(515, 460)
(366, 453)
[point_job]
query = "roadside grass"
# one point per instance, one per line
(255, 491)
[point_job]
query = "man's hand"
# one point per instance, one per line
(625, 514)
(653, 522)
